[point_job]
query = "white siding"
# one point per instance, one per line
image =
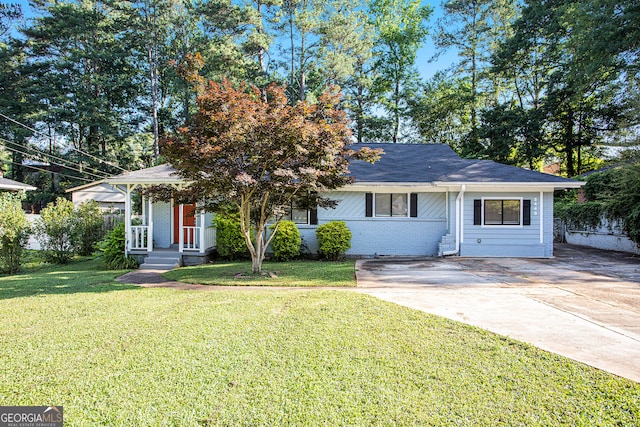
(102, 193)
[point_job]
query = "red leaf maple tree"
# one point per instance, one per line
(251, 150)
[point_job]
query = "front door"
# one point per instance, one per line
(188, 220)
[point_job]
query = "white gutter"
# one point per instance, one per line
(514, 185)
(459, 209)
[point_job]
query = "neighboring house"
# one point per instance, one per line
(417, 200)
(107, 196)
(11, 185)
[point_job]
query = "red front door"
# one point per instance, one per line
(188, 220)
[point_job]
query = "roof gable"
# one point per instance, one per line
(161, 174)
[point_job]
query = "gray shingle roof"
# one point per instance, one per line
(401, 163)
(11, 185)
(155, 175)
(427, 163)
(405, 163)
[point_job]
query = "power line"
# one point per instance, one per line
(42, 153)
(58, 164)
(73, 148)
(59, 173)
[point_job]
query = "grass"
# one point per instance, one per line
(119, 356)
(293, 273)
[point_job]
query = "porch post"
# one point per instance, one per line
(541, 217)
(202, 248)
(150, 227)
(180, 230)
(462, 215)
(127, 220)
(144, 211)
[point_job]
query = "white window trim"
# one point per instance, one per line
(389, 216)
(483, 225)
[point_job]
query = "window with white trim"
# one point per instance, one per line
(502, 212)
(391, 204)
(508, 212)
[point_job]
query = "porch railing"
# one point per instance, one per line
(139, 236)
(192, 237)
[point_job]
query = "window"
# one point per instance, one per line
(391, 204)
(299, 216)
(302, 216)
(502, 212)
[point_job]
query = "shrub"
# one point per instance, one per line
(88, 227)
(14, 232)
(613, 195)
(55, 231)
(580, 216)
(112, 248)
(229, 239)
(334, 239)
(286, 243)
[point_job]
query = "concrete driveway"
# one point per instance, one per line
(583, 304)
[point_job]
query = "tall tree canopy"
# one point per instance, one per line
(254, 151)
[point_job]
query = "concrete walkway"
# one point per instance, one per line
(584, 304)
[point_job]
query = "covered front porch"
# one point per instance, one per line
(155, 228)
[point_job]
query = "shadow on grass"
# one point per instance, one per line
(75, 277)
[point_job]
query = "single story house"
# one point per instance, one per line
(107, 196)
(417, 200)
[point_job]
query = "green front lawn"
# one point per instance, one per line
(293, 273)
(119, 355)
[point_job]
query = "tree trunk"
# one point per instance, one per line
(568, 141)
(260, 30)
(153, 75)
(396, 108)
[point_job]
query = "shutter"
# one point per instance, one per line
(313, 216)
(477, 212)
(526, 212)
(413, 205)
(368, 205)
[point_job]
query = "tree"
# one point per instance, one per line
(474, 28)
(55, 231)
(82, 74)
(9, 13)
(252, 150)
(14, 231)
(401, 32)
(441, 111)
(571, 83)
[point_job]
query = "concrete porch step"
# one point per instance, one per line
(161, 261)
(167, 267)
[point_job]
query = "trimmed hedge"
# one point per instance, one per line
(334, 239)
(287, 241)
(230, 242)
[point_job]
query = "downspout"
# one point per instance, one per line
(459, 208)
